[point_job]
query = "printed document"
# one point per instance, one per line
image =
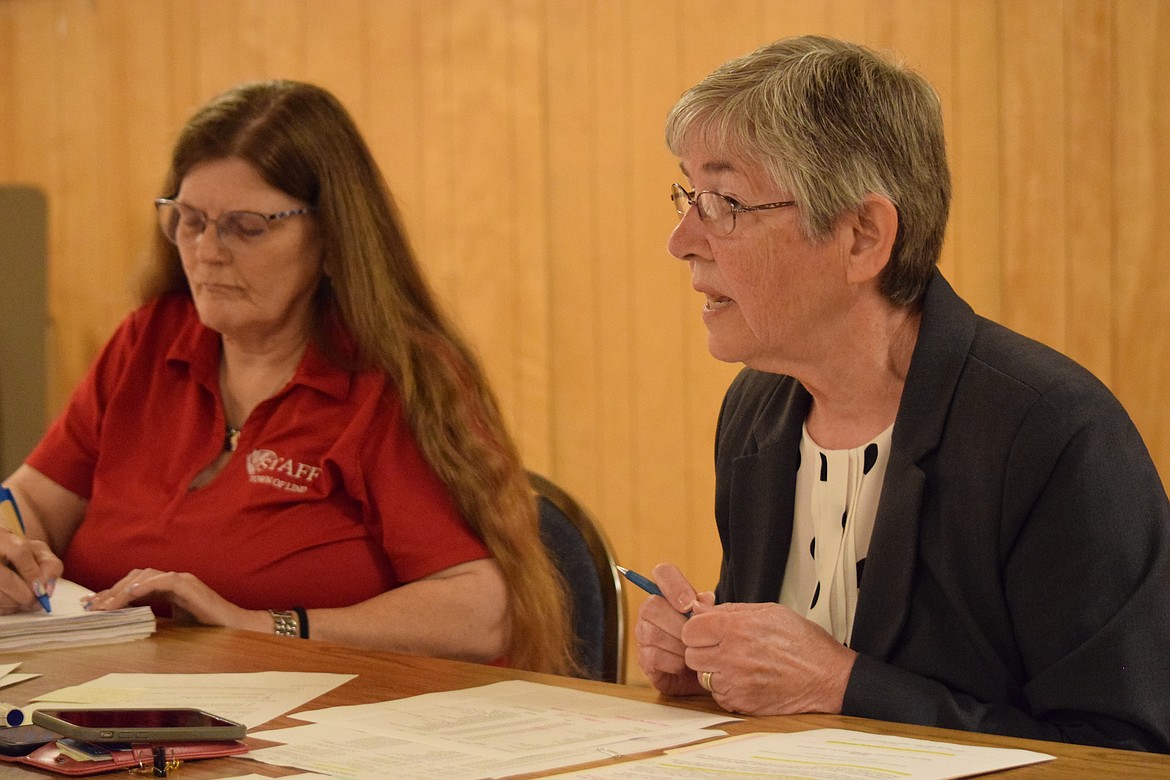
(820, 754)
(492, 730)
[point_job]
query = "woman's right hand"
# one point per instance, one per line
(50, 514)
(28, 566)
(658, 632)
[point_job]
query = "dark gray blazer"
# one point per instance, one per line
(1018, 578)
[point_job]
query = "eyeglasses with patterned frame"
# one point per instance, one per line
(182, 224)
(716, 210)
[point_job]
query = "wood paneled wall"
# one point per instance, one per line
(523, 139)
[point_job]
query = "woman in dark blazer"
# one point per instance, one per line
(924, 516)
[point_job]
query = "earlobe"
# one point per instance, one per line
(874, 226)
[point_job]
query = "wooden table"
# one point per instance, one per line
(384, 676)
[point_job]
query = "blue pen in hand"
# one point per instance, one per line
(10, 519)
(645, 583)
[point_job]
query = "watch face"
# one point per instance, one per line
(285, 623)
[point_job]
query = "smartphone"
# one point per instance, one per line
(22, 740)
(161, 724)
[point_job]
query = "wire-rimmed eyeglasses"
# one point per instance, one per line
(716, 209)
(182, 224)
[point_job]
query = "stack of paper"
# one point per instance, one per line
(496, 730)
(70, 625)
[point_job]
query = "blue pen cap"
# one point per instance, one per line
(13, 716)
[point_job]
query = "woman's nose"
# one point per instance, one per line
(209, 247)
(688, 237)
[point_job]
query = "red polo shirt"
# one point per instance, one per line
(327, 500)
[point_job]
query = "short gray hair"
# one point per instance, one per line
(833, 122)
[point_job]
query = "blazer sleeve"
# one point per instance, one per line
(1084, 535)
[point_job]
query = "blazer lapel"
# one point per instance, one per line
(883, 602)
(884, 595)
(761, 527)
(756, 491)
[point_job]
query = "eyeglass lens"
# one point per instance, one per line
(182, 224)
(714, 209)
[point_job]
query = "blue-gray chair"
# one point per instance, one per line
(583, 556)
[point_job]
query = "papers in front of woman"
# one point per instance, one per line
(824, 754)
(520, 727)
(70, 625)
(496, 730)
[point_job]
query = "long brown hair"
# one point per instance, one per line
(304, 142)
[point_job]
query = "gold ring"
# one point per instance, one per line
(705, 680)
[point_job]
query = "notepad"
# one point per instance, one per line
(70, 625)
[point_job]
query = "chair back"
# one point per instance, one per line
(584, 557)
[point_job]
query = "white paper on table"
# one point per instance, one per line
(515, 717)
(492, 730)
(251, 698)
(9, 676)
(13, 679)
(335, 748)
(820, 754)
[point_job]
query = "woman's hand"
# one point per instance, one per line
(764, 659)
(459, 612)
(26, 565)
(757, 659)
(658, 632)
(190, 598)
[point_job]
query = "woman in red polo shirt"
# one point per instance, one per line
(289, 433)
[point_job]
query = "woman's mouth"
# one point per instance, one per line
(716, 302)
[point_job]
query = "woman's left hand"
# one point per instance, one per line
(191, 599)
(764, 659)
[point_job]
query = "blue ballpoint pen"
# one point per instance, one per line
(645, 583)
(10, 518)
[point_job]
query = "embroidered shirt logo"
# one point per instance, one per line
(267, 468)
